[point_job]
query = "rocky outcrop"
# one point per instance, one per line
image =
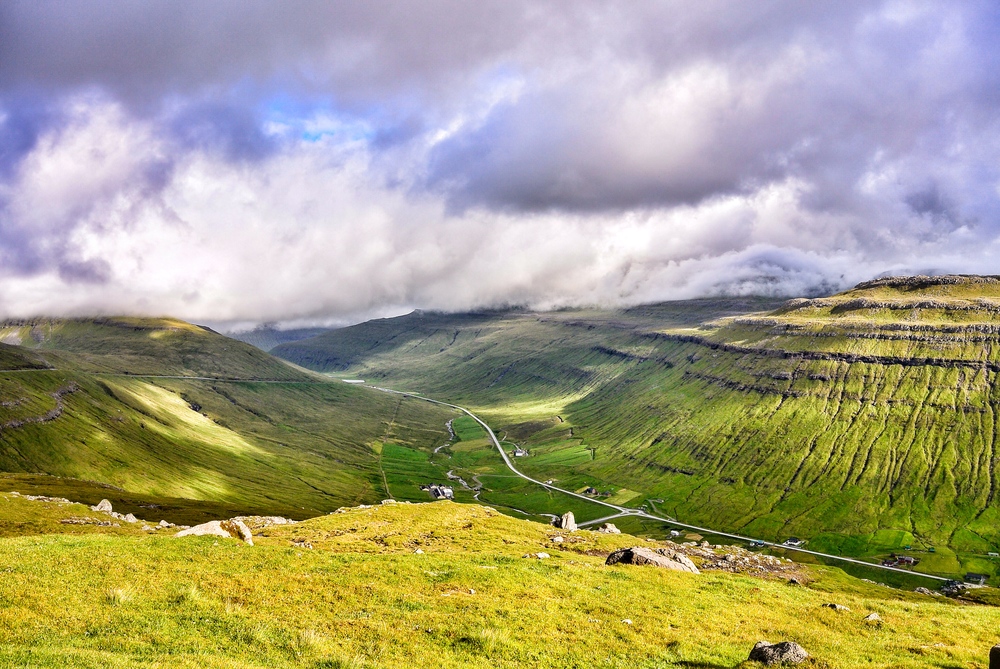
(663, 557)
(567, 521)
(609, 528)
(220, 528)
(919, 281)
(257, 523)
(786, 652)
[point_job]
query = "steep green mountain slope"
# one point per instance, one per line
(114, 408)
(864, 422)
(350, 590)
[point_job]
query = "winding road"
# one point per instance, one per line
(620, 511)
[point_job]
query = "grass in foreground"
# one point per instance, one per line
(361, 597)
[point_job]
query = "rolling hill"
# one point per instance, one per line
(864, 421)
(165, 410)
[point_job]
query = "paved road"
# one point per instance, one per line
(627, 511)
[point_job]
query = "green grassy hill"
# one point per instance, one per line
(143, 346)
(349, 590)
(115, 401)
(864, 422)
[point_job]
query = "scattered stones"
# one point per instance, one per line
(44, 498)
(557, 539)
(872, 618)
(568, 521)
(665, 558)
(786, 652)
(740, 561)
(627, 621)
(388, 501)
(302, 543)
(418, 552)
(836, 607)
(793, 581)
(88, 521)
(925, 591)
(539, 556)
(609, 528)
(104, 505)
(130, 518)
(165, 524)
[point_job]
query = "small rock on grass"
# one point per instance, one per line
(837, 607)
(786, 652)
(220, 528)
(104, 505)
(639, 555)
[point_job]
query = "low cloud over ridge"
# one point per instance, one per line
(312, 162)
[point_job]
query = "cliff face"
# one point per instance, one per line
(940, 321)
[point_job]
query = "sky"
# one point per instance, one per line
(315, 162)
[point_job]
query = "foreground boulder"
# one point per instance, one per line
(568, 521)
(786, 652)
(664, 558)
(220, 528)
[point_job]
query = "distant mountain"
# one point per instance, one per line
(266, 337)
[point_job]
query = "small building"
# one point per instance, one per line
(675, 533)
(520, 452)
(977, 579)
(794, 541)
(906, 561)
(590, 491)
(441, 491)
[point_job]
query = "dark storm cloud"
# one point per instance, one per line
(454, 154)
